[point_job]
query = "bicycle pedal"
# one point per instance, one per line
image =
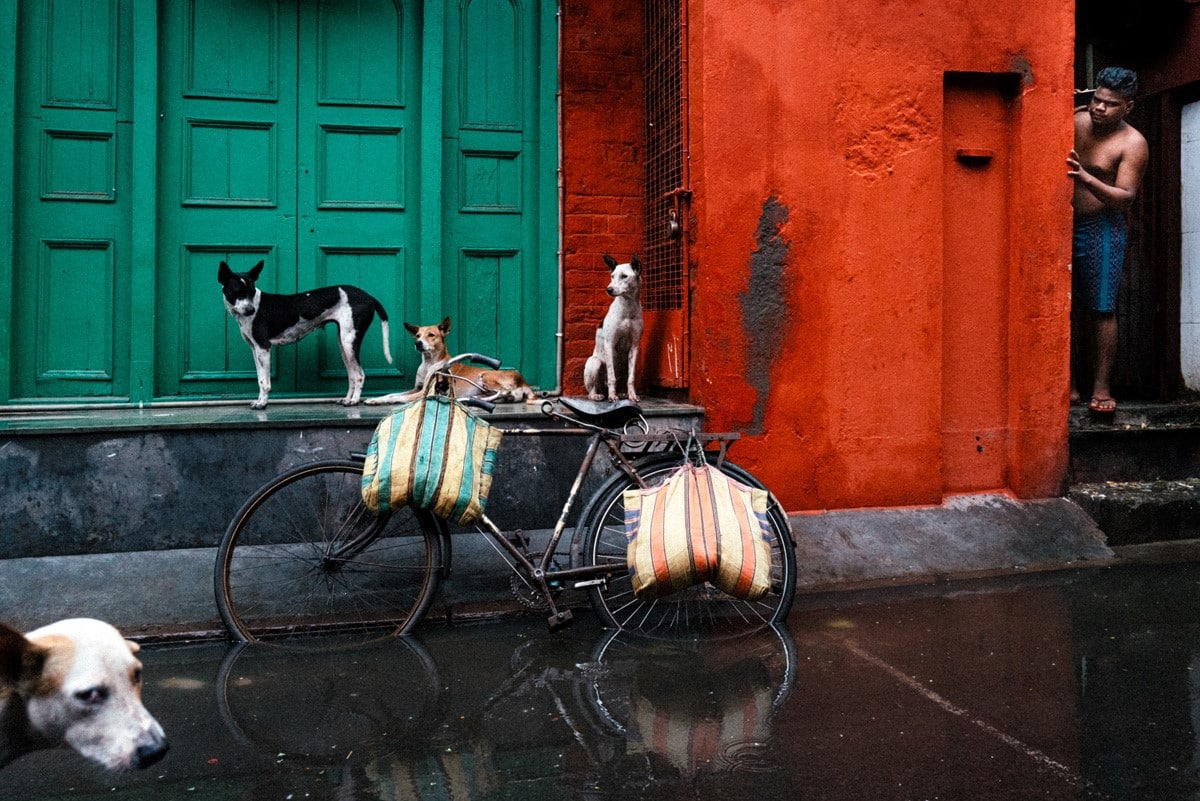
(563, 618)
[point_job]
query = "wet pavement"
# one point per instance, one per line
(1066, 685)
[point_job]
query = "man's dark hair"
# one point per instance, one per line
(1119, 80)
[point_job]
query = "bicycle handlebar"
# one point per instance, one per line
(487, 406)
(473, 357)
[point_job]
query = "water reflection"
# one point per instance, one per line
(700, 707)
(1073, 686)
(390, 721)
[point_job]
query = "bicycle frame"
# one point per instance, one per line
(536, 567)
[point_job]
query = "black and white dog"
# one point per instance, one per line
(266, 319)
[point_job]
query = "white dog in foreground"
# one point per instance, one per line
(75, 682)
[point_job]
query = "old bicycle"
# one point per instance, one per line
(304, 554)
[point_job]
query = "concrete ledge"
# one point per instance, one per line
(966, 535)
(171, 479)
(160, 593)
(1141, 441)
(155, 593)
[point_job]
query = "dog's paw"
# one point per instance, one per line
(258, 406)
(348, 402)
(632, 396)
(596, 396)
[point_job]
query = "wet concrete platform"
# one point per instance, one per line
(1078, 684)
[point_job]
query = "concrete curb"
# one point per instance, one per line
(157, 593)
(965, 535)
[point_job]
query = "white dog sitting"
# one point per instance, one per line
(618, 337)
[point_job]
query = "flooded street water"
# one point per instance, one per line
(1079, 685)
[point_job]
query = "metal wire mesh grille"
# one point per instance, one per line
(663, 276)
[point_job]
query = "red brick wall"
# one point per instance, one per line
(603, 136)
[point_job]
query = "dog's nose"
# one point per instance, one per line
(149, 753)
(611, 291)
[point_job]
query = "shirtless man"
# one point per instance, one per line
(1106, 165)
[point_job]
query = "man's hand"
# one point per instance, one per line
(1075, 170)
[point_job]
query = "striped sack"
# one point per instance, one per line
(432, 454)
(699, 525)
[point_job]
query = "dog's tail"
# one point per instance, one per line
(383, 324)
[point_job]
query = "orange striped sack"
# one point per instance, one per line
(699, 525)
(433, 454)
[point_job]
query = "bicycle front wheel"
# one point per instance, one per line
(701, 609)
(304, 555)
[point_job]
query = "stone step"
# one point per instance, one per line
(1141, 442)
(1137, 512)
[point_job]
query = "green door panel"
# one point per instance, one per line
(358, 128)
(499, 211)
(71, 258)
(227, 188)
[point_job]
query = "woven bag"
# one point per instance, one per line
(433, 454)
(699, 525)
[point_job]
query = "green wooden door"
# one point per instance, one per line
(499, 204)
(71, 257)
(299, 133)
(289, 139)
(406, 147)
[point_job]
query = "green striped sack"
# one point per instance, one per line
(433, 454)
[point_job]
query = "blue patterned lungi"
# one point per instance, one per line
(1098, 259)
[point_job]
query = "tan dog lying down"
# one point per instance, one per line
(497, 386)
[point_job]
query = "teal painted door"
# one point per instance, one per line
(409, 148)
(295, 133)
(499, 203)
(289, 139)
(71, 258)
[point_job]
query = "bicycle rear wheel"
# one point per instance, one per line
(304, 555)
(702, 609)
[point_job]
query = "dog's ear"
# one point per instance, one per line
(635, 263)
(610, 261)
(256, 270)
(444, 326)
(19, 658)
(224, 273)
(412, 329)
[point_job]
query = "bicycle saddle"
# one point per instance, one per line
(610, 414)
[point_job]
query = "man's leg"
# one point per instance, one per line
(1106, 357)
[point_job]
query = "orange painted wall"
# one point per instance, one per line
(819, 165)
(818, 170)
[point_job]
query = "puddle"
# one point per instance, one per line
(1081, 685)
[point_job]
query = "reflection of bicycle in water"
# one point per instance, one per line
(700, 706)
(613, 716)
(304, 554)
(313, 703)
